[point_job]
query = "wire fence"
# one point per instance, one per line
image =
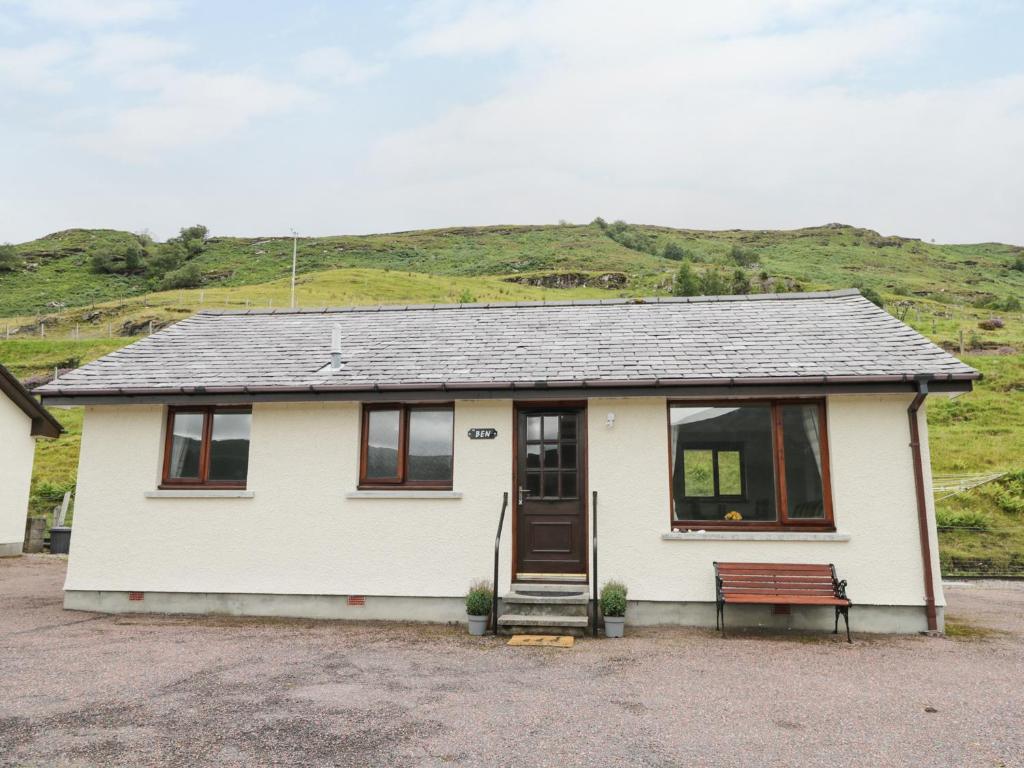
(108, 320)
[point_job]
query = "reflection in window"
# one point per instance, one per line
(551, 456)
(802, 446)
(430, 445)
(229, 447)
(722, 463)
(208, 445)
(727, 463)
(382, 444)
(408, 445)
(186, 445)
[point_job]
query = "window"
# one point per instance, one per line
(759, 465)
(552, 451)
(207, 447)
(407, 445)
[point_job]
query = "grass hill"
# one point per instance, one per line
(57, 310)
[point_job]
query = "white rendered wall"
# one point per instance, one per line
(17, 450)
(872, 490)
(299, 534)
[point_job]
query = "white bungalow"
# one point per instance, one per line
(245, 462)
(22, 419)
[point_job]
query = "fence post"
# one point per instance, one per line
(110, 330)
(42, 329)
(150, 327)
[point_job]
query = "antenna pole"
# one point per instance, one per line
(295, 254)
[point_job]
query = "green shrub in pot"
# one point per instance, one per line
(613, 607)
(479, 600)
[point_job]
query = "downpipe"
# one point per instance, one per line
(922, 503)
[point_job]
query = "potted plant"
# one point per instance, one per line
(479, 600)
(613, 607)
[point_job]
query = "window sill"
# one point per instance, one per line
(753, 536)
(200, 493)
(405, 494)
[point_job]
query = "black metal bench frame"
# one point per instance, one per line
(785, 582)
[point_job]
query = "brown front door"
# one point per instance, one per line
(551, 528)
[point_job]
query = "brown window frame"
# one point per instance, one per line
(167, 482)
(783, 521)
(400, 481)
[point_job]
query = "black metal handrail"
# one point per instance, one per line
(593, 529)
(497, 546)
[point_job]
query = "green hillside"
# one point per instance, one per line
(51, 286)
(56, 270)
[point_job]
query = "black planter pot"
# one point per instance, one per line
(60, 540)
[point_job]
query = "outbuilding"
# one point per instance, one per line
(353, 463)
(22, 419)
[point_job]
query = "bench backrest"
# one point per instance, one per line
(786, 579)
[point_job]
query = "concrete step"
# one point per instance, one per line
(533, 587)
(526, 600)
(548, 599)
(524, 624)
(512, 605)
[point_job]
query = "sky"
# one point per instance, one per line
(257, 117)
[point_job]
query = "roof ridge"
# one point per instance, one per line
(841, 293)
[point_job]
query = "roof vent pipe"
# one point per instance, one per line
(336, 347)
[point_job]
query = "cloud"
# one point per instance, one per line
(712, 115)
(191, 109)
(336, 66)
(124, 54)
(37, 67)
(98, 13)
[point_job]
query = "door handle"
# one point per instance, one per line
(521, 492)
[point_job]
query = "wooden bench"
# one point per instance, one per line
(780, 584)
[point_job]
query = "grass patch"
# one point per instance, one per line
(959, 629)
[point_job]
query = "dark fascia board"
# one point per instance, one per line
(43, 422)
(509, 392)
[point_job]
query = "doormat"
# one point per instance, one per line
(547, 641)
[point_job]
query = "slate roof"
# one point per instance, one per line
(784, 339)
(43, 422)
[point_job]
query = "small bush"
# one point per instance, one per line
(740, 282)
(9, 258)
(118, 261)
(613, 599)
(467, 297)
(1010, 493)
(992, 324)
(713, 283)
(873, 296)
(188, 276)
(479, 599)
(674, 251)
(742, 256)
(599, 222)
(945, 518)
(685, 282)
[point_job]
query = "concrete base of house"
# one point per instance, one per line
(891, 619)
(863, 618)
(11, 549)
(364, 608)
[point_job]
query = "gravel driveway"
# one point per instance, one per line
(79, 689)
